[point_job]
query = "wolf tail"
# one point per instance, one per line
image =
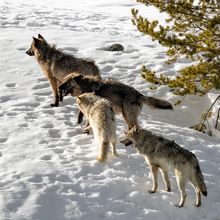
(199, 179)
(155, 102)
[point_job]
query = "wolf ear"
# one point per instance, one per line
(136, 128)
(78, 78)
(36, 42)
(79, 97)
(40, 37)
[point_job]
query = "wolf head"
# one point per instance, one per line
(86, 99)
(37, 44)
(131, 136)
(70, 85)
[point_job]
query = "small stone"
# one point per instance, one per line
(116, 47)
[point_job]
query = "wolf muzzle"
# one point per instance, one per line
(30, 52)
(65, 89)
(126, 142)
(62, 93)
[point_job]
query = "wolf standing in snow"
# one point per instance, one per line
(102, 121)
(123, 99)
(56, 64)
(160, 153)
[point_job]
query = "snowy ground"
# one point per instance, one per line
(48, 169)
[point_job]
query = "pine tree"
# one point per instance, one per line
(193, 30)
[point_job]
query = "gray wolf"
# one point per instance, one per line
(161, 154)
(56, 64)
(101, 119)
(124, 99)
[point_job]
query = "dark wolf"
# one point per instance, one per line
(163, 154)
(124, 99)
(56, 64)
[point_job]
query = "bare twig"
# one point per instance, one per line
(207, 113)
(216, 123)
(201, 126)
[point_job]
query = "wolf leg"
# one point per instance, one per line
(80, 117)
(181, 185)
(154, 171)
(198, 194)
(114, 151)
(130, 113)
(54, 84)
(87, 129)
(198, 197)
(103, 151)
(166, 180)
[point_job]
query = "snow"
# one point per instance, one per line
(48, 169)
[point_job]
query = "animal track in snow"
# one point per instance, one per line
(11, 113)
(10, 85)
(58, 150)
(46, 157)
(84, 141)
(47, 125)
(54, 133)
(107, 68)
(42, 85)
(21, 109)
(3, 140)
(27, 104)
(43, 93)
(71, 133)
(23, 125)
(39, 99)
(42, 79)
(49, 111)
(37, 178)
(30, 116)
(4, 98)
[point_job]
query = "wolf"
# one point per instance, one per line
(161, 154)
(101, 119)
(56, 64)
(124, 99)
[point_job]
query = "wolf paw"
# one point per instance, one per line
(100, 159)
(178, 206)
(126, 142)
(198, 204)
(115, 154)
(168, 189)
(54, 104)
(86, 131)
(151, 191)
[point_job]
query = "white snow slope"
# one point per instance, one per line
(48, 169)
